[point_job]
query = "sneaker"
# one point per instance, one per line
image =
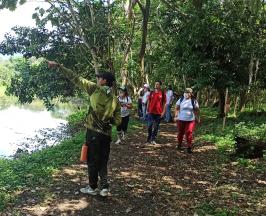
(189, 151)
(89, 190)
(153, 142)
(118, 142)
(104, 192)
(123, 136)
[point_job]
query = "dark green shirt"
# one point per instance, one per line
(104, 108)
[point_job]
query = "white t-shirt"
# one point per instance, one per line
(186, 112)
(125, 101)
(169, 95)
(145, 97)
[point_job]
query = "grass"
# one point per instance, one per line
(246, 125)
(211, 209)
(37, 169)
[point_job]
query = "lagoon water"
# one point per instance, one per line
(19, 124)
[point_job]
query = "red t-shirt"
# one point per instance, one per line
(157, 101)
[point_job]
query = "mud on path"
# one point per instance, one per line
(153, 180)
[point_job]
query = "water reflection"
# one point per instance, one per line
(19, 125)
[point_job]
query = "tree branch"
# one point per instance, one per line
(142, 8)
(175, 7)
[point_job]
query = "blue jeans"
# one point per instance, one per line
(168, 116)
(153, 126)
(144, 111)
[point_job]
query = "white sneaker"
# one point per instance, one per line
(118, 142)
(89, 190)
(123, 136)
(153, 142)
(104, 192)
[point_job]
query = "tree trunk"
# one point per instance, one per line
(198, 4)
(221, 93)
(243, 100)
(236, 105)
(198, 95)
(207, 96)
(256, 70)
(250, 72)
(123, 70)
(184, 80)
(145, 13)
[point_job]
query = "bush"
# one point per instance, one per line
(251, 131)
(76, 120)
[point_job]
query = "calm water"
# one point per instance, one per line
(20, 125)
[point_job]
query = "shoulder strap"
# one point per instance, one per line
(181, 99)
(193, 103)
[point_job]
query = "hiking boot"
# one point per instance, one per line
(189, 151)
(179, 146)
(104, 192)
(89, 190)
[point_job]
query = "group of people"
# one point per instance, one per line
(106, 109)
(144, 94)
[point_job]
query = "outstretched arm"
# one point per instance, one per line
(82, 83)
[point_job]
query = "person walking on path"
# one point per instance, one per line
(156, 110)
(186, 114)
(104, 110)
(126, 105)
(169, 100)
(145, 97)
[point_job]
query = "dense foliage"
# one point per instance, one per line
(208, 44)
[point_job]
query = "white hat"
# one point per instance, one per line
(146, 85)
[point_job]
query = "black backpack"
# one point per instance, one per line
(193, 100)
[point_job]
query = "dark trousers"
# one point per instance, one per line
(140, 114)
(98, 156)
(153, 126)
(123, 125)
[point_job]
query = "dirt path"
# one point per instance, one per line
(154, 180)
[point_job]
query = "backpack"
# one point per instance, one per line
(192, 101)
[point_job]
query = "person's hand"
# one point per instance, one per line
(175, 119)
(53, 64)
(162, 115)
(198, 120)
